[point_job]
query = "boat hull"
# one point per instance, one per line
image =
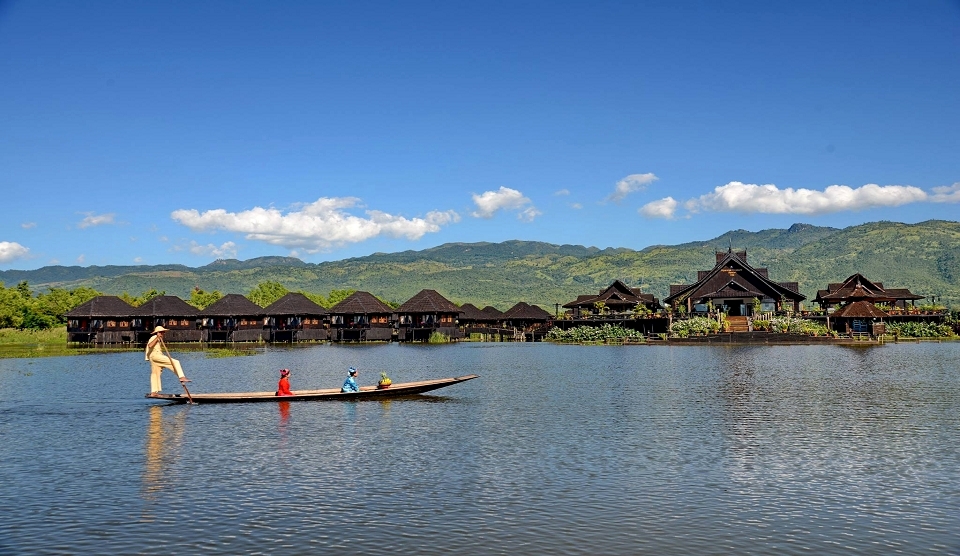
(366, 392)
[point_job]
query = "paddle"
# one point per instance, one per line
(167, 352)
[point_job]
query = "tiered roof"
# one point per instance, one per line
(617, 295)
(470, 312)
(361, 303)
(101, 307)
(732, 277)
(859, 288)
(428, 301)
(860, 309)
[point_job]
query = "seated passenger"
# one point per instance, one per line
(350, 385)
(283, 387)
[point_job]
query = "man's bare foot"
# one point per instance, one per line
(185, 379)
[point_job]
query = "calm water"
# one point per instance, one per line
(555, 449)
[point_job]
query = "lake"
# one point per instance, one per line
(554, 449)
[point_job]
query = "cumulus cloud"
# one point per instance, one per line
(751, 198)
(95, 220)
(631, 184)
(316, 226)
(489, 202)
(562, 192)
(946, 194)
(28, 225)
(226, 251)
(576, 206)
(664, 208)
(11, 251)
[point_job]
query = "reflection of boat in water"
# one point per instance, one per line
(365, 393)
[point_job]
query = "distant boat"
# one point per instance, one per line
(365, 393)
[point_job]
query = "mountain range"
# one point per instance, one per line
(923, 257)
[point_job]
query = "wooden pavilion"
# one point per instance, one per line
(425, 313)
(617, 298)
(170, 312)
(858, 317)
(734, 286)
(859, 288)
(105, 319)
(294, 318)
(361, 317)
(233, 318)
(529, 320)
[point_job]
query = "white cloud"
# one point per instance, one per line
(576, 206)
(95, 220)
(316, 226)
(226, 251)
(28, 225)
(631, 184)
(138, 260)
(751, 198)
(562, 192)
(489, 202)
(946, 194)
(664, 208)
(81, 258)
(11, 251)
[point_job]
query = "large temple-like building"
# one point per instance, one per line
(734, 287)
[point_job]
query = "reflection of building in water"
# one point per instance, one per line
(161, 448)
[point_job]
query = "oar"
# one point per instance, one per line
(165, 350)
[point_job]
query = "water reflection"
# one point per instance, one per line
(161, 448)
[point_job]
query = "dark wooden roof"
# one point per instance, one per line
(615, 295)
(361, 303)
(859, 309)
(292, 304)
(730, 275)
(469, 311)
(428, 301)
(166, 306)
(492, 312)
(232, 305)
(525, 311)
(101, 306)
(858, 288)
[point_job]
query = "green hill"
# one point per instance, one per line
(924, 257)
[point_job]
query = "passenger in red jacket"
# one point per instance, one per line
(283, 387)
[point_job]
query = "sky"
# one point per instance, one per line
(182, 132)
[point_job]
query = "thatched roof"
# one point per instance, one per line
(860, 310)
(428, 301)
(166, 306)
(294, 303)
(469, 311)
(361, 303)
(232, 305)
(525, 311)
(100, 307)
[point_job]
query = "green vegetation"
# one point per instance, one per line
(593, 334)
(19, 308)
(919, 330)
(694, 326)
(54, 336)
(201, 299)
(438, 338)
(798, 326)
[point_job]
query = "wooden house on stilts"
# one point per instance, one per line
(426, 313)
(294, 318)
(233, 318)
(105, 319)
(172, 313)
(361, 317)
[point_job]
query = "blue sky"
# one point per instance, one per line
(182, 132)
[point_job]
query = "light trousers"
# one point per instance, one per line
(158, 363)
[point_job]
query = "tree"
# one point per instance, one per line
(267, 292)
(139, 300)
(201, 299)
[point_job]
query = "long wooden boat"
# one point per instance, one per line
(365, 393)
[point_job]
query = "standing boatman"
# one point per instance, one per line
(160, 360)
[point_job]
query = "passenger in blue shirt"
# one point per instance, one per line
(350, 385)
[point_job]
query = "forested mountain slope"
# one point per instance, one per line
(924, 257)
